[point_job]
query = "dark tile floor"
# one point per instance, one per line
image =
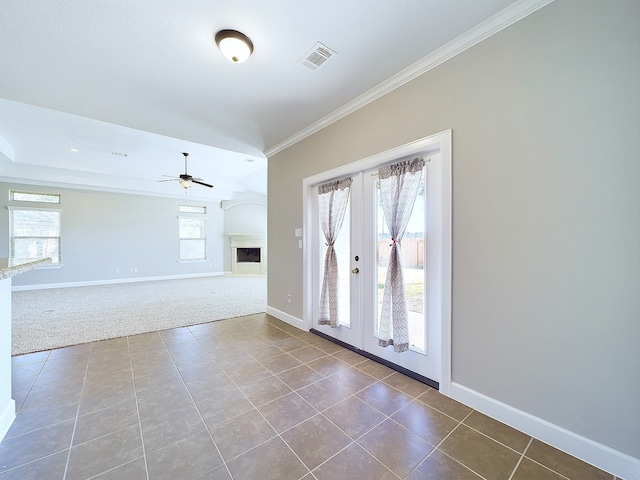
(250, 398)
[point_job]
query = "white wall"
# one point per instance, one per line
(103, 231)
(546, 212)
(7, 404)
(243, 216)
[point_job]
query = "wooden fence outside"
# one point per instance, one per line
(412, 251)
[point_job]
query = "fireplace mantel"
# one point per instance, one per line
(248, 240)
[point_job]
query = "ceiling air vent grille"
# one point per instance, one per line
(316, 56)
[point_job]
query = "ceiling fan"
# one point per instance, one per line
(185, 179)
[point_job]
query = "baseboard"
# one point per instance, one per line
(45, 286)
(601, 456)
(285, 317)
(6, 417)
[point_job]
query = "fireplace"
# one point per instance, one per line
(248, 254)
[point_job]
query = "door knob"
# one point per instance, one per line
(355, 270)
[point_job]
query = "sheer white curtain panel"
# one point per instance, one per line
(399, 185)
(333, 198)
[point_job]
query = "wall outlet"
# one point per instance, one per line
(117, 270)
(289, 298)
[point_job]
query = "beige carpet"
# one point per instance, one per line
(53, 318)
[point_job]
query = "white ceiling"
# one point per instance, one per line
(144, 78)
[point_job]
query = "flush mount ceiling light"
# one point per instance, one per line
(235, 46)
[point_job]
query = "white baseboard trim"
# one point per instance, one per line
(601, 456)
(6, 417)
(45, 286)
(285, 317)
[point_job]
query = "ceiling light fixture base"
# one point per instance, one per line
(234, 45)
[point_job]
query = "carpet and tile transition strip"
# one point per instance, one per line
(54, 318)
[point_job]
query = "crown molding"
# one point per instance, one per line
(482, 31)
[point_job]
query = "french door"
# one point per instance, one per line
(362, 248)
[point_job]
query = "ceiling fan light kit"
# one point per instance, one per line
(234, 45)
(185, 179)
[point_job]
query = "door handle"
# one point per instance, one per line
(355, 270)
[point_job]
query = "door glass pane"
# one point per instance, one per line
(343, 251)
(413, 254)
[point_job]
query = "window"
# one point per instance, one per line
(34, 197)
(191, 209)
(193, 242)
(34, 234)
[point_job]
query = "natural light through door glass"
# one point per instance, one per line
(413, 254)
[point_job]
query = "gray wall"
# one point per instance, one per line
(103, 231)
(546, 210)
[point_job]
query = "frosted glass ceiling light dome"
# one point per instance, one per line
(235, 46)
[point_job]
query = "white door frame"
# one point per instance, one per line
(440, 141)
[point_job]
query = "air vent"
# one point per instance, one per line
(315, 57)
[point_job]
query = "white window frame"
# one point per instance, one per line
(192, 209)
(57, 262)
(56, 198)
(203, 219)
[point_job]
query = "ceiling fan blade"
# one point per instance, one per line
(201, 183)
(169, 180)
(171, 176)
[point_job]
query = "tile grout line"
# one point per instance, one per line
(496, 440)
(37, 375)
(515, 468)
(355, 442)
(546, 467)
(278, 434)
(135, 394)
(50, 425)
(524, 455)
(436, 447)
(273, 374)
(195, 404)
(94, 350)
(384, 419)
(75, 423)
(320, 412)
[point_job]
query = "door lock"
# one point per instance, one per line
(355, 270)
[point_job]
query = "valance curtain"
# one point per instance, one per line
(333, 198)
(399, 185)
